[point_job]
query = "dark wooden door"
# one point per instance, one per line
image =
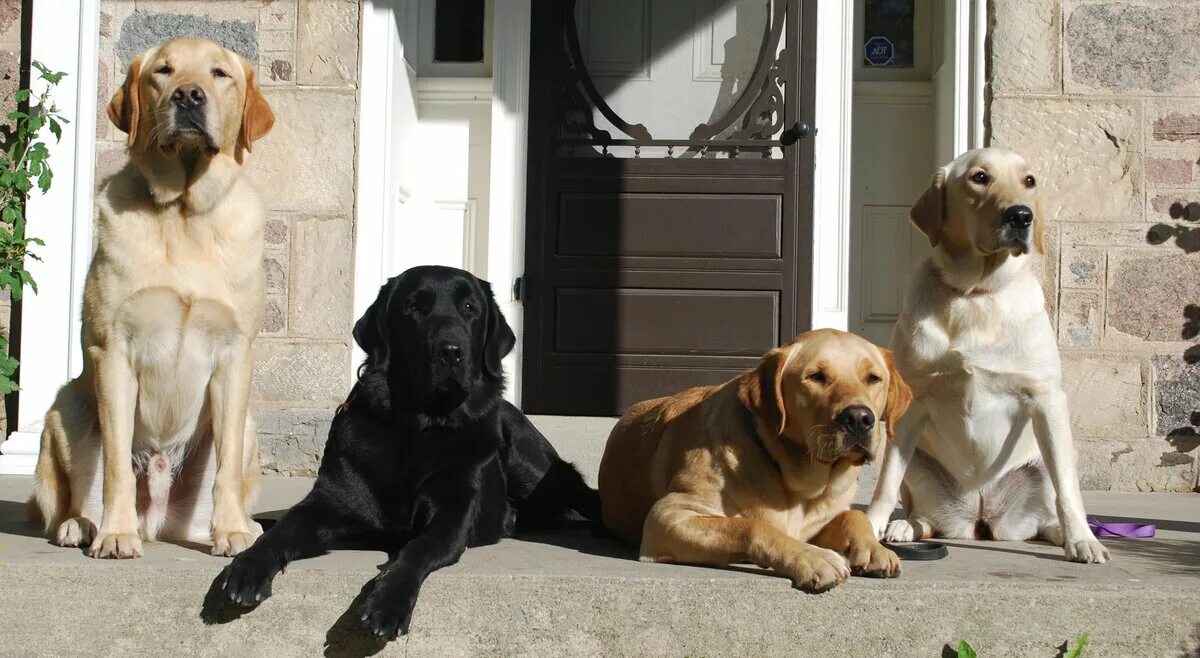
(669, 227)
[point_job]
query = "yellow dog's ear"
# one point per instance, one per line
(761, 389)
(125, 108)
(257, 117)
(899, 395)
(929, 211)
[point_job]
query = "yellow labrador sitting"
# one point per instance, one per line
(153, 438)
(761, 468)
(986, 451)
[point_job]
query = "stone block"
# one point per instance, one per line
(1148, 292)
(1134, 465)
(276, 233)
(1177, 397)
(1028, 34)
(1178, 206)
(145, 29)
(321, 267)
(1080, 318)
(301, 374)
(10, 23)
(1082, 267)
(1169, 171)
(275, 315)
(292, 442)
(1105, 235)
(1087, 153)
(1123, 47)
(306, 162)
(327, 42)
(276, 273)
(1108, 394)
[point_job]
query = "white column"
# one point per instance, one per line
(64, 37)
(510, 120)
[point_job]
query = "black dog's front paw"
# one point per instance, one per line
(247, 580)
(386, 615)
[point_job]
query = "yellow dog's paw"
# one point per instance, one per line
(1088, 551)
(228, 544)
(874, 560)
(77, 531)
(818, 569)
(120, 545)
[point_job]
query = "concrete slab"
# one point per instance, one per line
(568, 593)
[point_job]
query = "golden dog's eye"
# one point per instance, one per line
(1030, 181)
(980, 177)
(219, 73)
(873, 378)
(164, 70)
(818, 377)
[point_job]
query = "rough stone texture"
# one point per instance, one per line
(304, 375)
(328, 42)
(144, 30)
(292, 442)
(322, 254)
(1134, 465)
(1107, 395)
(317, 125)
(1148, 291)
(1029, 33)
(1177, 399)
(1168, 171)
(1082, 267)
(1080, 318)
(275, 315)
(1121, 47)
(1087, 153)
(1185, 207)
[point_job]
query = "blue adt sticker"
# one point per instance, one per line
(879, 51)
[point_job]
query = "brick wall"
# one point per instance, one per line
(307, 57)
(1104, 98)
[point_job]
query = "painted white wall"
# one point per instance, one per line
(65, 36)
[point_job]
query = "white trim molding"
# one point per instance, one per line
(836, 54)
(65, 37)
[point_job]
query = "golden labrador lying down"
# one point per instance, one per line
(173, 299)
(761, 468)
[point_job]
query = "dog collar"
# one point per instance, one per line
(973, 292)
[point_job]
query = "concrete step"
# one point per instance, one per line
(568, 593)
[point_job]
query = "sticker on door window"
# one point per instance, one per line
(888, 34)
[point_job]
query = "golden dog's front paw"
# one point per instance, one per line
(77, 531)
(120, 545)
(874, 560)
(229, 544)
(817, 569)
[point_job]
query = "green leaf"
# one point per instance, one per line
(1077, 650)
(965, 650)
(21, 96)
(43, 181)
(8, 386)
(56, 129)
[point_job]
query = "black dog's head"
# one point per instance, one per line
(438, 337)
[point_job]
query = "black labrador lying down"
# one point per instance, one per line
(424, 458)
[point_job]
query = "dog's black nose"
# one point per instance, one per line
(450, 354)
(1018, 216)
(188, 97)
(856, 418)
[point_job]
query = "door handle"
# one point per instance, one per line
(793, 134)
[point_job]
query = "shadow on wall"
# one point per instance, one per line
(1186, 235)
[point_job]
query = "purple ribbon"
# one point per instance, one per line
(1127, 530)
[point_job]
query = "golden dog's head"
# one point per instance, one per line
(191, 95)
(985, 200)
(824, 392)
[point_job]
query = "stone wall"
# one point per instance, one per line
(10, 81)
(1104, 98)
(306, 52)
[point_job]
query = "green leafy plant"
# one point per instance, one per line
(24, 165)
(965, 650)
(1076, 650)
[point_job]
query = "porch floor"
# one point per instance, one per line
(569, 593)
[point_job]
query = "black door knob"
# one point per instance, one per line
(791, 135)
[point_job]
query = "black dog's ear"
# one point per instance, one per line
(371, 330)
(499, 340)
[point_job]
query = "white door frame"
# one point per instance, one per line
(50, 320)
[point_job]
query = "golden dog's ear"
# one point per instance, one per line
(1039, 227)
(929, 211)
(257, 117)
(124, 110)
(761, 389)
(899, 395)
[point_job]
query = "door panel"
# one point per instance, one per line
(668, 237)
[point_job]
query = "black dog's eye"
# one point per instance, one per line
(818, 377)
(164, 69)
(981, 177)
(1030, 181)
(469, 307)
(219, 73)
(873, 378)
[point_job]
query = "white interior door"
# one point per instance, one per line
(895, 140)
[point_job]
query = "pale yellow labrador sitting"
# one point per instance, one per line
(985, 452)
(153, 438)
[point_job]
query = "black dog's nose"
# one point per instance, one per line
(188, 97)
(1018, 216)
(450, 354)
(856, 418)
